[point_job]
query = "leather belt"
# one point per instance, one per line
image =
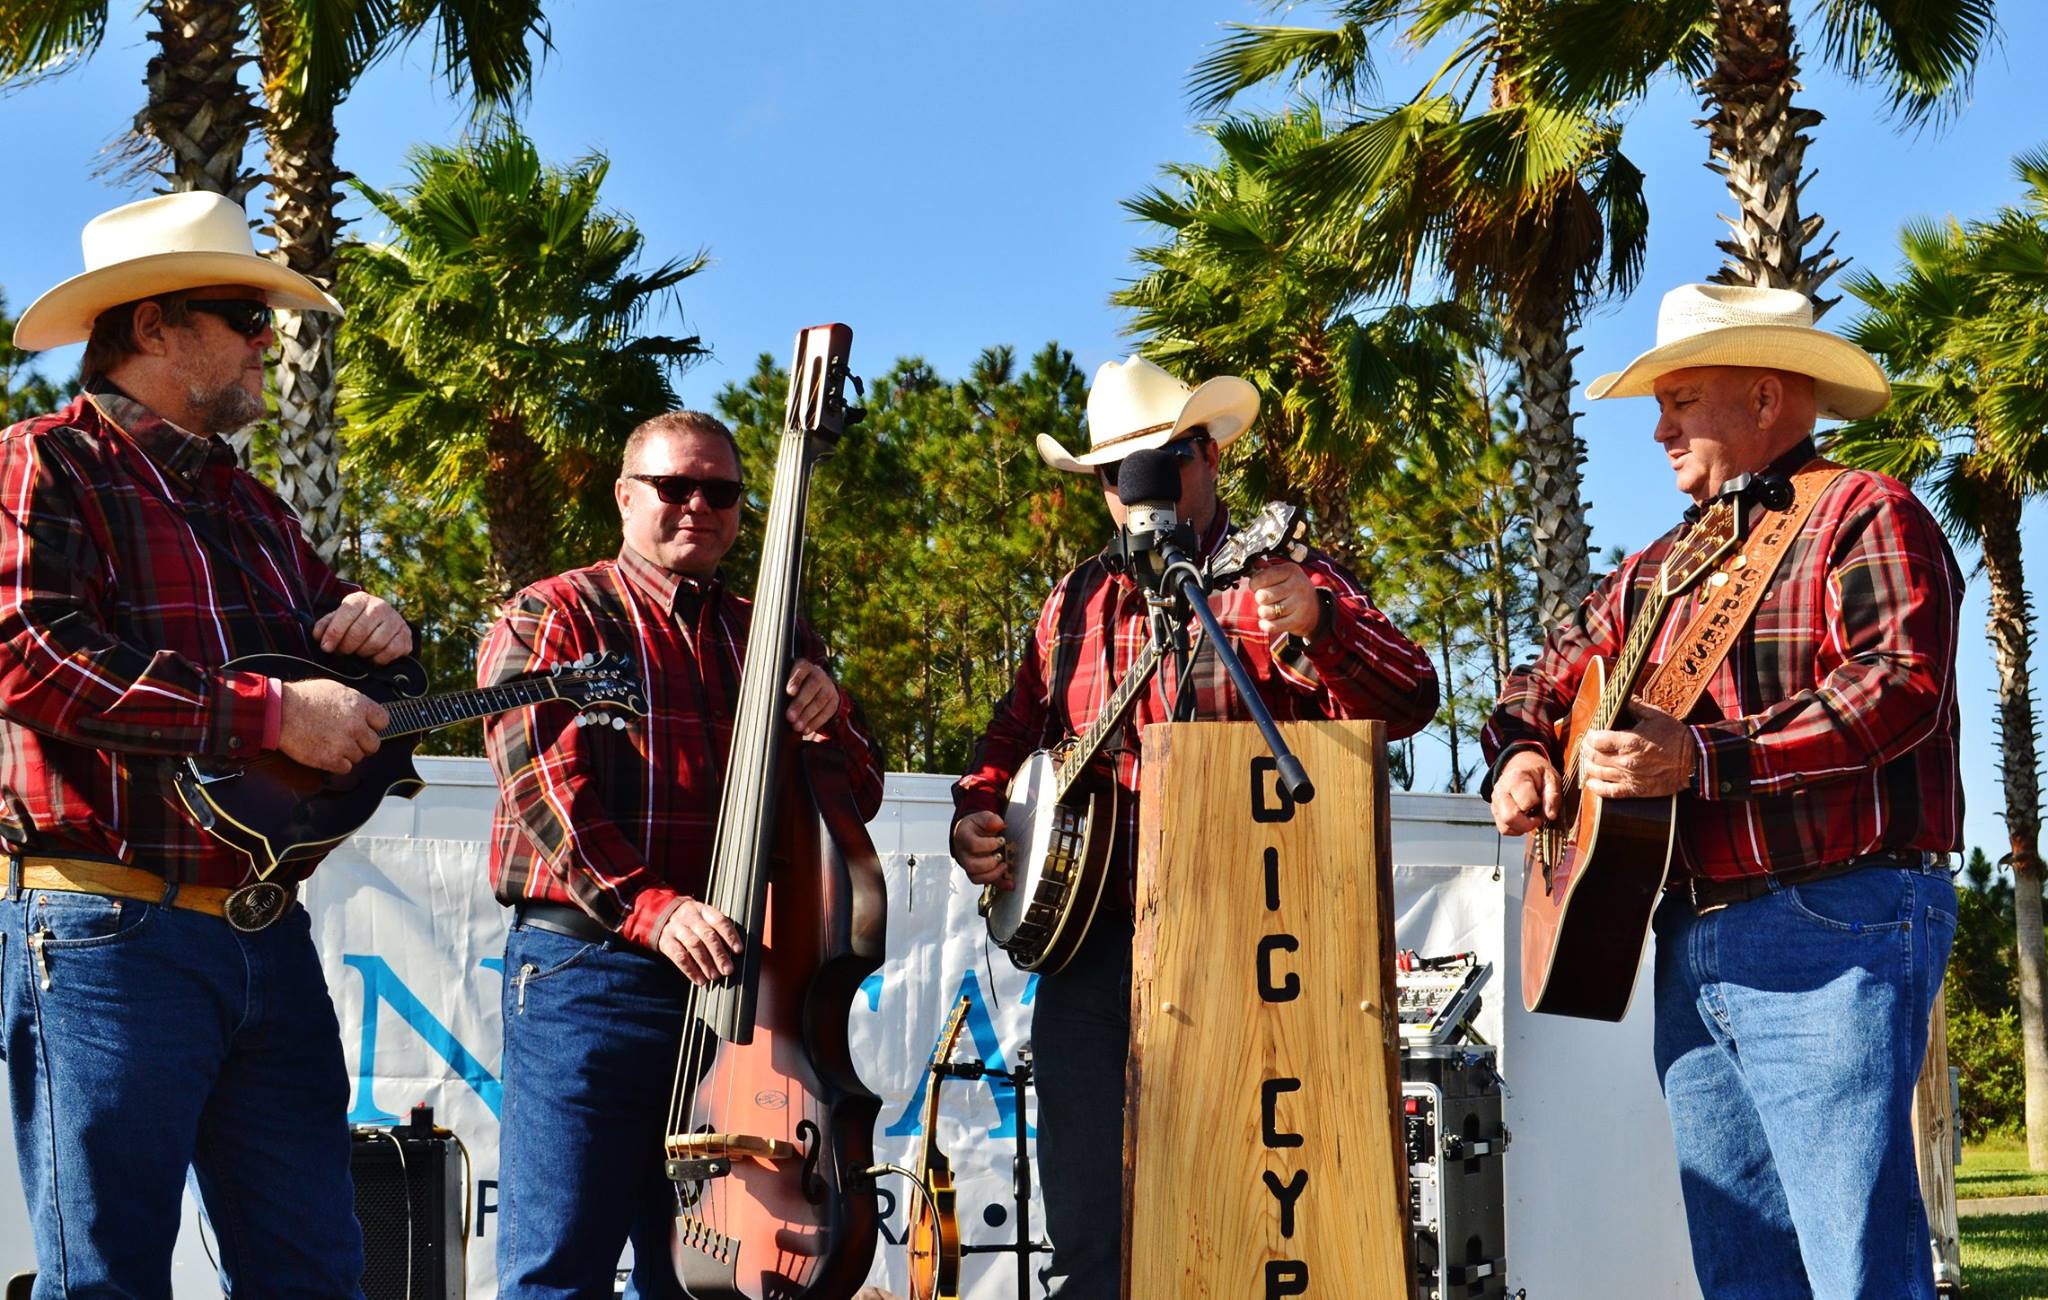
(251, 907)
(1712, 895)
(565, 919)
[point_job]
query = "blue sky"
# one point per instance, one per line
(946, 176)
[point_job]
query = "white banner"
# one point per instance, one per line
(413, 945)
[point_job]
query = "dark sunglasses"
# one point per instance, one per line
(248, 317)
(677, 489)
(1184, 449)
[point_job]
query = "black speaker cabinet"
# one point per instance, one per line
(409, 1201)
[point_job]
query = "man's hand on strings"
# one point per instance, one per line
(1656, 756)
(1527, 794)
(814, 699)
(979, 848)
(366, 626)
(701, 940)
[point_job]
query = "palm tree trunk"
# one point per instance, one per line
(305, 187)
(2011, 642)
(520, 525)
(1757, 140)
(1535, 340)
(199, 115)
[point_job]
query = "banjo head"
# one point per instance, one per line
(1029, 826)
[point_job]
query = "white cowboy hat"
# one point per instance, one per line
(1133, 405)
(159, 245)
(1727, 325)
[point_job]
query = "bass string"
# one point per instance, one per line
(733, 885)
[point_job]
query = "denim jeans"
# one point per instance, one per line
(1790, 1032)
(143, 1041)
(592, 1031)
(1080, 1036)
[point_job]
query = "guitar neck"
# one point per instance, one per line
(431, 712)
(1628, 665)
(1091, 741)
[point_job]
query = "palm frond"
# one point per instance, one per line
(1922, 53)
(43, 38)
(1337, 59)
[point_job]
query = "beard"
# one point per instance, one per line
(227, 408)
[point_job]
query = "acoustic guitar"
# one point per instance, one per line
(1058, 826)
(1592, 879)
(277, 810)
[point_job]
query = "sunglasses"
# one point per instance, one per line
(677, 489)
(1183, 449)
(248, 317)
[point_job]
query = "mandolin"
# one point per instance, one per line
(277, 810)
(933, 1237)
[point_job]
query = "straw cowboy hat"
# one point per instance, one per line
(1723, 325)
(139, 250)
(1133, 405)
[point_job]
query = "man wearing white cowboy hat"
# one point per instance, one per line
(148, 1033)
(1809, 916)
(1317, 647)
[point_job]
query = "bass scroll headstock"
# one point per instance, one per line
(817, 384)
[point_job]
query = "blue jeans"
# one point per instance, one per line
(592, 1031)
(143, 1041)
(1080, 1036)
(1790, 1032)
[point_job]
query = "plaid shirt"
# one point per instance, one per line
(117, 620)
(620, 823)
(1095, 625)
(1830, 729)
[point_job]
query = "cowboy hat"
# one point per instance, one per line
(160, 245)
(1133, 405)
(1728, 325)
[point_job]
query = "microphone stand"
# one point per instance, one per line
(1182, 584)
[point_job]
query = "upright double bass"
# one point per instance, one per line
(771, 1133)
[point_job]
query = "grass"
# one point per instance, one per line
(1998, 1167)
(2005, 1256)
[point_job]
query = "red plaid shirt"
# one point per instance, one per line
(1830, 729)
(1095, 625)
(620, 823)
(117, 620)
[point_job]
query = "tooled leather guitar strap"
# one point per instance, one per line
(1731, 598)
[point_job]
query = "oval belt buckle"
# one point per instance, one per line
(256, 907)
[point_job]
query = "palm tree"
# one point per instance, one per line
(1527, 208)
(1742, 56)
(1952, 428)
(195, 124)
(311, 54)
(1243, 288)
(199, 118)
(491, 357)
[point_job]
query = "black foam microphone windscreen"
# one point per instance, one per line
(1148, 476)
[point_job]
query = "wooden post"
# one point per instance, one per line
(1261, 1150)
(1934, 1137)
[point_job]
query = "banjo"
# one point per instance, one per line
(1058, 826)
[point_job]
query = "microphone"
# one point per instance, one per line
(1154, 538)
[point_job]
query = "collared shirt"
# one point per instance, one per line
(620, 822)
(1095, 625)
(117, 620)
(1830, 730)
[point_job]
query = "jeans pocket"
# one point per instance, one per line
(1868, 901)
(544, 953)
(62, 920)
